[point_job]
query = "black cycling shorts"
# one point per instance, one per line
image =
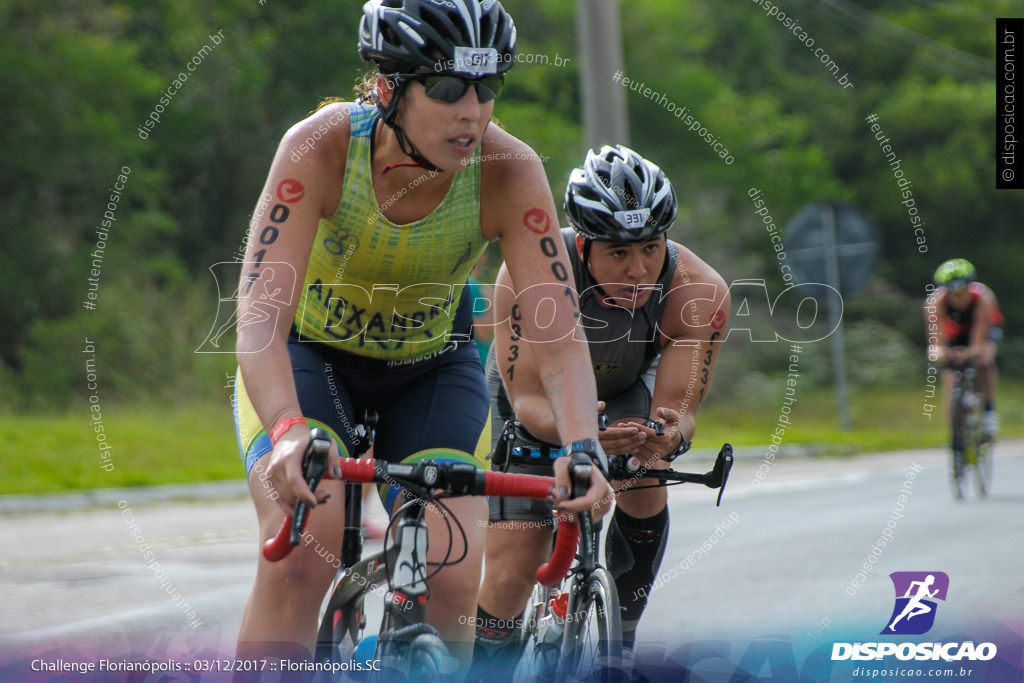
(435, 408)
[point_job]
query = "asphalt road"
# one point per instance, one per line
(790, 562)
(779, 557)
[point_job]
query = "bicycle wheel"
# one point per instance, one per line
(957, 480)
(414, 653)
(592, 644)
(540, 635)
(429, 659)
(983, 469)
(958, 423)
(974, 442)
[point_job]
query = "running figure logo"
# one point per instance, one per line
(916, 592)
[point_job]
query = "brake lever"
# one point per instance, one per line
(314, 466)
(723, 465)
(580, 468)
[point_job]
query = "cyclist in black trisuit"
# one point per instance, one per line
(654, 314)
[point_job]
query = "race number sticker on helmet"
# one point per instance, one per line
(461, 36)
(619, 196)
(634, 219)
(476, 61)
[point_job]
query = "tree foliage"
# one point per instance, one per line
(81, 78)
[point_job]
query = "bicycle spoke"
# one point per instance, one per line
(593, 640)
(541, 635)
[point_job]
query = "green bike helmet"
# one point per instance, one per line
(955, 274)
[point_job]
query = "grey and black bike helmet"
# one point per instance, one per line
(405, 35)
(619, 196)
(444, 36)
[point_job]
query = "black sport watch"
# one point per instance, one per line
(683, 446)
(592, 449)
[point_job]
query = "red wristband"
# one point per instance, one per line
(283, 426)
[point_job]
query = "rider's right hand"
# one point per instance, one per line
(598, 498)
(285, 469)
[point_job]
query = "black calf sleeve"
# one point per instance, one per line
(497, 640)
(633, 553)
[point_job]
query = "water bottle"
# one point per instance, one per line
(366, 649)
(552, 625)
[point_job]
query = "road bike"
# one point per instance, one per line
(966, 417)
(406, 646)
(573, 630)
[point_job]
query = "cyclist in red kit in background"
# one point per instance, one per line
(970, 328)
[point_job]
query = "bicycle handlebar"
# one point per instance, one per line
(455, 479)
(657, 425)
(626, 467)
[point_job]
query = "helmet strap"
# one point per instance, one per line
(588, 245)
(583, 246)
(389, 115)
(409, 149)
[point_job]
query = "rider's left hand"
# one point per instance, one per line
(655, 447)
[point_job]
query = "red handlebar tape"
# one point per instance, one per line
(495, 484)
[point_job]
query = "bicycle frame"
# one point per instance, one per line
(344, 619)
(588, 577)
(404, 633)
(965, 421)
(964, 400)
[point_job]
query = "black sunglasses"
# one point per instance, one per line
(451, 88)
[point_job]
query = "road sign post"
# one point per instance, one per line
(599, 34)
(834, 244)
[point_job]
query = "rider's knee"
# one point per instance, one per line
(515, 576)
(306, 571)
(512, 569)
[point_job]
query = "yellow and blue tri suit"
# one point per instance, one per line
(384, 323)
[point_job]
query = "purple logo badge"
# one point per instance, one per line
(916, 593)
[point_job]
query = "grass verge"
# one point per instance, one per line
(150, 446)
(176, 445)
(880, 420)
